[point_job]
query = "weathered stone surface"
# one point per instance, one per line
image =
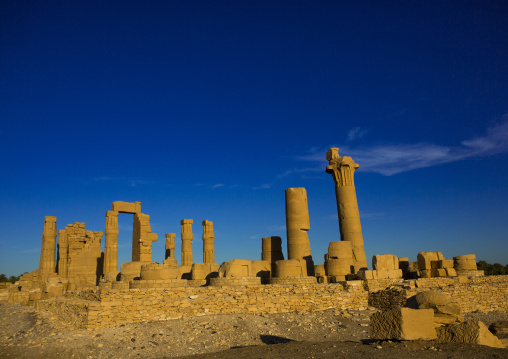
(155, 271)
(425, 259)
(403, 324)
(472, 331)
(236, 268)
(385, 261)
(297, 225)
(291, 268)
(208, 242)
(342, 170)
(204, 271)
(142, 238)
(187, 237)
(445, 311)
(465, 262)
(126, 207)
(271, 251)
(131, 270)
(47, 262)
(499, 328)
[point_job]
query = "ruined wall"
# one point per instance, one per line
(484, 294)
(116, 306)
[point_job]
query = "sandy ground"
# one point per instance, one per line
(326, 334)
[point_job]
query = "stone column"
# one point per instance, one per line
(342, 169)
(187, 242)
(208, 242)
(63, 245)
(142, 238)
(272, 251)
(170, 245)
(297, 225)
(111, 245)
(47, 263)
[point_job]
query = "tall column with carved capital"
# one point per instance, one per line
(342, 170)
(111, 245)
(63, 246)
(47, 264)
(208, 242)
(187, 237)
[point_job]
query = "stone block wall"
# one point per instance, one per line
(109, 307)
(135, 305)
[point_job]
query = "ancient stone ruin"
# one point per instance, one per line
(74, 263)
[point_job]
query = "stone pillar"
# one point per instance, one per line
(47, 263)
(208, 242)
(342, 169)
(186, 242)
(170, 245)
(63, 246)
(111, 245)
(142, 238)
(297, 225)
(272, 251)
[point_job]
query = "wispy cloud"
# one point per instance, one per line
(355, 133)
(392, 159)
(217, 185)
(374, 215)
(263, 186)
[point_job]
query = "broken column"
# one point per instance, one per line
(170, 245)
(297, 225)
(208, 242)
(142, 238)
(342, 169)
(48, 250)
(111, 245)
(186, 242)
(272, 251)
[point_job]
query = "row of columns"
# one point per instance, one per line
(187, 237)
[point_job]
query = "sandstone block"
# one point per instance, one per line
(394, 273)
(451, 272)
(126, 207)
(425, 258)
(319, 270)
(472, 331)
(445, 311)
(154, 271)
(465, 262)
(291, 268)
(385, 261)
(403, 324)
(335, 266)
(442, 264)
(340, 250)
(236, 268)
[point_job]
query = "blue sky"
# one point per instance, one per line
(209, 110)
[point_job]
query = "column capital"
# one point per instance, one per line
(341, 168)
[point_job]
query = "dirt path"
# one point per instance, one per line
(327, 334)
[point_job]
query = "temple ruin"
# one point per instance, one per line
(76, 262)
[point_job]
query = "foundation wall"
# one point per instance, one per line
(117, 306)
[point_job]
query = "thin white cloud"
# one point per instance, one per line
(263, 186)
(355, 133)
(217, 185)
(392, 159)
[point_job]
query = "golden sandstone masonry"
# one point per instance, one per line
(83, 284)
